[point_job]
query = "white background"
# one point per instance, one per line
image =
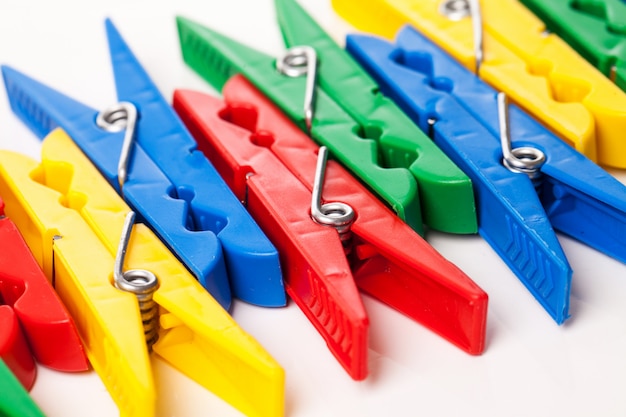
(531, 366)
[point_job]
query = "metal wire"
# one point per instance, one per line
(140, 282)
(120, 116)
(526, 159)
(296, 62)
(459, 9)
(338, 215)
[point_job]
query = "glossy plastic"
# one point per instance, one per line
(352, 141)
(256, 148)
(34, 324)
(73, 222)
(15, 401)
(445, 192)
(573, 194)
(14, 350)
(596, 29)
(170, 184)
(538, 71)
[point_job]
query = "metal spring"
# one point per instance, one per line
(525, 159)
(338, 215)
(120, 116)
(140, 282)
(454, 9)
(296, 62)
(458, 9)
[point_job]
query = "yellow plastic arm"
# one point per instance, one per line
(80, 268)
(539, 72)
(197, 336)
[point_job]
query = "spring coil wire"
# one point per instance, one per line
(140, 282)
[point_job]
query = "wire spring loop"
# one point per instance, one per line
(458, 9)
(338, 215)
(525, 159)
(296, 62)
(139, 282)
(118, 117)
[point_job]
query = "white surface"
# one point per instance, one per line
(531, 366)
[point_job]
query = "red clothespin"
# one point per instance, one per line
(33, 321)
(270, 165)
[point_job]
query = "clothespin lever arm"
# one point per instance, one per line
(317, 273)
(505, 199)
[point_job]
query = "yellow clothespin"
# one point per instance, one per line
(537, 70)
(72, 220)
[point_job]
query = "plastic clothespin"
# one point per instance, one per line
(272, 165)
(362, 129)
(170, 184)
(34, 324)
(517, 212)
(15, 401)
(596, 29)
(537, 70)
(76, 223)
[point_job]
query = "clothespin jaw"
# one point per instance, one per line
(201, 221)
(15, 401)
(559, 88)
(596, 29)
(578, 197)
(35, 324)
(381, 250)
(381, 160)
(65, 196)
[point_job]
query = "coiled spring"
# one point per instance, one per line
(525, 159)
(458, 9)
(338, 215)
(140, 282)
(120, 116)
(298, 61)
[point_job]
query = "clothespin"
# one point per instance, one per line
(596, 29)
(329, 250)
(361, 128)
(15, 401)
(537, 70)
(170, 184)
(527, 180)
(34, 324)
(128, 292)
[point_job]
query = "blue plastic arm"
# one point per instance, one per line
(179, 193)
(251, 259)
(510, 215)
(581, 199)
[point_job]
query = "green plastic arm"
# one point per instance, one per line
(445, 191)
(14, 400)
(373, 155)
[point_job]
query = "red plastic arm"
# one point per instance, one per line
(28, 298)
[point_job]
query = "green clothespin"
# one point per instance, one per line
(364, 130)
(15, 401)
(596, 29)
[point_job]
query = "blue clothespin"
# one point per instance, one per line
(517, 214)
(169, 183)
